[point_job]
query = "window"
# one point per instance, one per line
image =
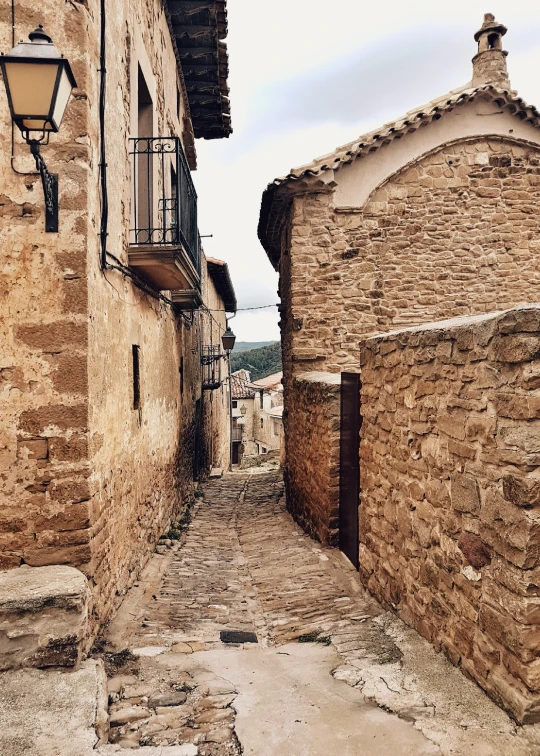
(181, 370)
(276, 428)
(235, 404)
(262, 422)
(262, 395)
(136, 372)
(264, 450)
(145, 129)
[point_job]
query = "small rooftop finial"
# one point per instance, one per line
(489, 64)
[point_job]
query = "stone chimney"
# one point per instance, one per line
(489, 64)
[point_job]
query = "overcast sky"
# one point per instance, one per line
(307, 76)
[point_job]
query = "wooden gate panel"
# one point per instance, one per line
(349, 469)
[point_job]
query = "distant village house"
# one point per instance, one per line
(257, 415)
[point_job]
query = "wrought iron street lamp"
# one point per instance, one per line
(38, 83)
(243, 409)
(228, 340)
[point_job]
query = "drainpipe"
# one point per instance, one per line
(230, 412)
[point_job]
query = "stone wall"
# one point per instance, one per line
(312, 454)
(449, 523)
(87, 479)
(455, 232)
(44, 494)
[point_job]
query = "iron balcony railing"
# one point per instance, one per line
(164, 198)
(211, 367)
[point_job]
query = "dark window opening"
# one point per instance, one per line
(493, 41)
(145, 130)
(181, 370)
(235, 404)
(178, 100)
(135, 356)
(262, 423)
(262, 399)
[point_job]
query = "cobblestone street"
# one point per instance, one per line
(332, 672)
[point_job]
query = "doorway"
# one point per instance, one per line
(349, 468)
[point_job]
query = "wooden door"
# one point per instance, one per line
(349, 470)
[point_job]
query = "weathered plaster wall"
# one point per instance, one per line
(44, 494)
(312, 471)
(449, 524)
(141, 458)
(86, 479)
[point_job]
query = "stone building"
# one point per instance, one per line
(268, 425)
(432, 216)
(104, 323)
(243, 415)
(257, 415)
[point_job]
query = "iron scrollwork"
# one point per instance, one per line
(50, 188)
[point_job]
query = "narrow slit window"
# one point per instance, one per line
(181, 370)
(135, 356)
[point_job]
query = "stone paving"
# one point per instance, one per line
(243, 564)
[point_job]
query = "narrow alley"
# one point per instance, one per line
(331, 671)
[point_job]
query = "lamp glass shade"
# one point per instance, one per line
(243, 409)
(228, 340)
(62, 98)
(38, 82)
(31, 87)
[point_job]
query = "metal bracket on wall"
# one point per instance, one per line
(50, 188)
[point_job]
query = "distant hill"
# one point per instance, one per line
(246, 346)
(260, 362)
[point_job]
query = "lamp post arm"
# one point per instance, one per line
(50, 188)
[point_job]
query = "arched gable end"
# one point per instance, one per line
(479, 118)
(456, 232)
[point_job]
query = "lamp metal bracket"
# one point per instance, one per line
(50, 187)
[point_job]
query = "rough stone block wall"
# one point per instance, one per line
(86, 479)
(456, 232)
(44, 493)
(450, 490)
(312, 470)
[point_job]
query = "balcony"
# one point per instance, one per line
(211, 367)
(164, 240)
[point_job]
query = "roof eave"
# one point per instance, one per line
(219, 273)
(198, 28)
(277, 195)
